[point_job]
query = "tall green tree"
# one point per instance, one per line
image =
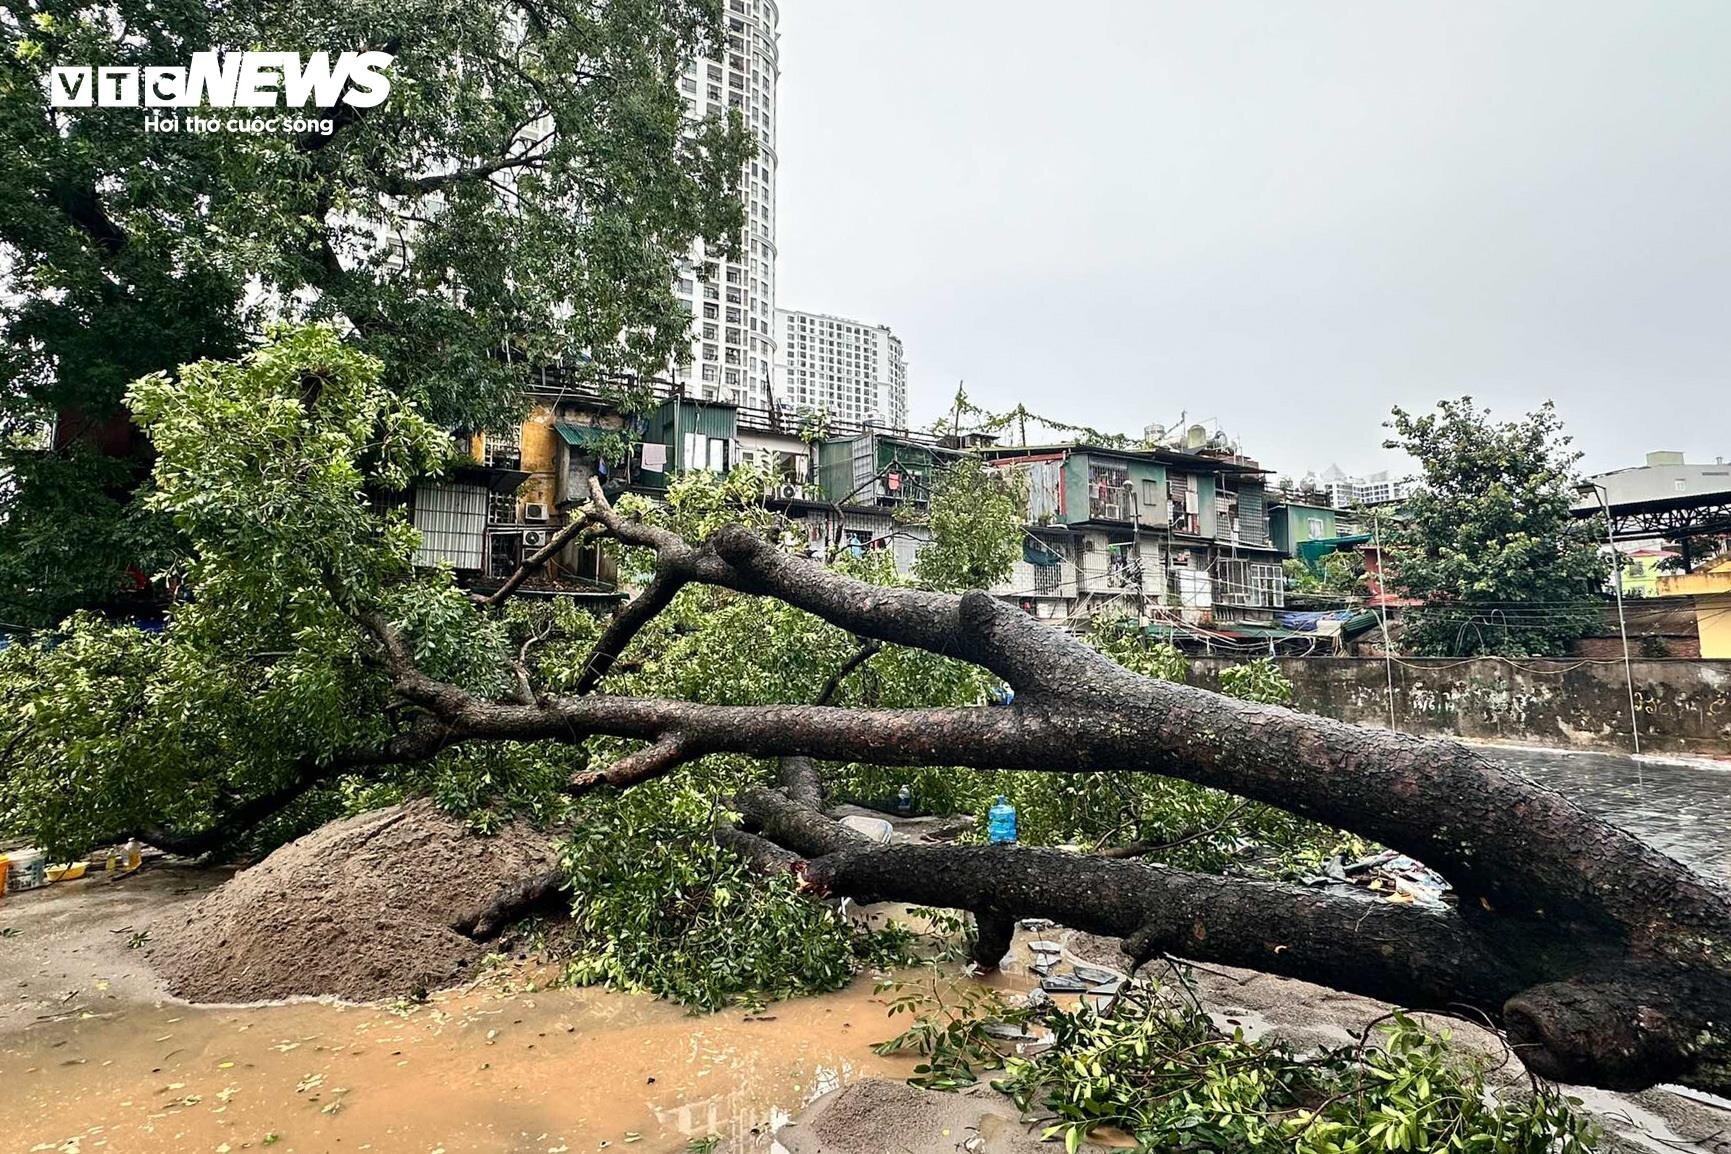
(524, 195)
(1488, 543)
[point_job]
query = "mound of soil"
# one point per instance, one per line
(369, 908)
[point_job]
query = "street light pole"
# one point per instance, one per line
(1622, 624)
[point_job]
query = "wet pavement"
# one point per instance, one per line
(1681, 808)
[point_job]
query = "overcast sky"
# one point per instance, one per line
(1283, 216)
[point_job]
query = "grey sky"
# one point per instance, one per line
(1285, 216)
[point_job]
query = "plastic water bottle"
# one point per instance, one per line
(905, 800)
(1001, 821)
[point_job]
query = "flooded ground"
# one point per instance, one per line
(479, 1070)
(1680, 807)
(93, 1057)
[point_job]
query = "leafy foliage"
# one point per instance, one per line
(1153, 1065)
(977, 519)
(1338, 574)
(659, 906)
(528, 188)
(265, 467)
(1259, 680)
(1488, 542)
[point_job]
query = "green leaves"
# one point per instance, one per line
(1153, 1065)
(524, 196)
(976, 523)
(659, 906)
(1488, 542)
(1260, 680)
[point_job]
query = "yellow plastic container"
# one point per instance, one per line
(68, 872)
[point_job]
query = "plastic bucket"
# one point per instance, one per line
(26, 872)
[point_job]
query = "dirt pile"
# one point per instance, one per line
(368, 908)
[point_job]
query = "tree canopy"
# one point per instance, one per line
(522, 197)
(1487, 542)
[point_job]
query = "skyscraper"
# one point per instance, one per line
(733, 307)
(849, 369)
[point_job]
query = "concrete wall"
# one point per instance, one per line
(1684, 706)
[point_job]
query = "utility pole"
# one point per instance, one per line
(1599, 493)
(1382, 613)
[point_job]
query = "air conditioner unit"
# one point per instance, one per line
(534, 538)
(534, 511)
(789, 492)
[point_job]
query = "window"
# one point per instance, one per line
(703, 452)
(1313, 527)
(503, 450)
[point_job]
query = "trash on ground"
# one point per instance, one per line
(1391, 876)
(875, 828)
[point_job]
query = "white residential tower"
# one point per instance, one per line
(733, 306)
(849, 369)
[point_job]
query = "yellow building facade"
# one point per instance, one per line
(1711, 589)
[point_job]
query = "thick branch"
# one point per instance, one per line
(867, 650)
(533, 563)
(1375, 948)
(798, 827)
(626, 624)
(1622, 1024)
(82, 205)
(665, 755)
(245, 816)
(760, 853)
(975, 628)
(800, 781)
(1508, 844)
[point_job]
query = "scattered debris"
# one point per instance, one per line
(1063, 984)
(1392, 876)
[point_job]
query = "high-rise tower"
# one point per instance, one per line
(733, 307)
(850, 369)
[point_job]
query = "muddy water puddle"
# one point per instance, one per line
(483, 1069)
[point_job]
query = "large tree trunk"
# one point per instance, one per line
(1607, 962)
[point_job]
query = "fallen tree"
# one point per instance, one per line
(325, 650)
(1606, 961)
